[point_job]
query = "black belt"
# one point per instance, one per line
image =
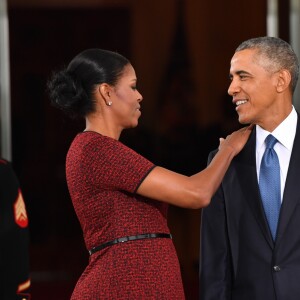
(130, 238)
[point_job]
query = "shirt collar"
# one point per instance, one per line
(284, 133)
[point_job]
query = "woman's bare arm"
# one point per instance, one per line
(194, 191)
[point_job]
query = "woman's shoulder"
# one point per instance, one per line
(93, 142)
(92, 138)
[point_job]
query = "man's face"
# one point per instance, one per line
(253, 89)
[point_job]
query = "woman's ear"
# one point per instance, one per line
(105, 92)
(284, 80)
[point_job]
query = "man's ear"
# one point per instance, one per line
(284, 80)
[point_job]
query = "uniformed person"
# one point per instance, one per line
(14, 237)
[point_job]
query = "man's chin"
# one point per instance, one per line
(243, 120)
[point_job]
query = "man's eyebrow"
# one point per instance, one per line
(240, 72)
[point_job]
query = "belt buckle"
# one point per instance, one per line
(123, 239)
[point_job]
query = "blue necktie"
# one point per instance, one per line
(269, 184)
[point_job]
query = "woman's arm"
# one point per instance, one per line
(194, 191)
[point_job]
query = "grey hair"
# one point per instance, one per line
(279, 54)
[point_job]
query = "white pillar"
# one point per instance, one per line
(5, 117)
(295, 41)
(272, 18)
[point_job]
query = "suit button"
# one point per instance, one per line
(276, 268)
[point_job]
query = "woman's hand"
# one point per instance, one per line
(237, 139)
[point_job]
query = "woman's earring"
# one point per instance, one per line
(109, 103)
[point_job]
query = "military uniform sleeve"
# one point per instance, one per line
(14, 236)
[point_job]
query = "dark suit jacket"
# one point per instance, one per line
(239, 259)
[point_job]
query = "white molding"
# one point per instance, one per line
(272, 18)
(5, 114)
(295, 41)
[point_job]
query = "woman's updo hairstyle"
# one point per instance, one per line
(71, 89)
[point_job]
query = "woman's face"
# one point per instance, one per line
(126, 99)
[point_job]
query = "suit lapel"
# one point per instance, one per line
(246, 165)
(291, 194)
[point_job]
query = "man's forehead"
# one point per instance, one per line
(243, 55)
(244, 58)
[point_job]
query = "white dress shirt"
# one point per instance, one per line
(285, 134)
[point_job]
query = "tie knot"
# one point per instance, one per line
(270, 141)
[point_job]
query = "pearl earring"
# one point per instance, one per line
(109, 103)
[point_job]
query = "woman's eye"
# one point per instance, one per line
(133, 87)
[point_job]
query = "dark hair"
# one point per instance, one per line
(278, 53)
(72, 88)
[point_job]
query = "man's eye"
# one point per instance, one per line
(133, 87)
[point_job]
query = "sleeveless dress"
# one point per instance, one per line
(103, 176)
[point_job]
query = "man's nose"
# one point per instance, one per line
(233, 88)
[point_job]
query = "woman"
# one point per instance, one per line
(121, 198)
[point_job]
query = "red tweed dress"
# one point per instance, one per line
(103, 175)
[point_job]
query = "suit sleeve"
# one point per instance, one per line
(215, 257)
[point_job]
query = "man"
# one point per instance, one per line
(248, 251)
(14, 237)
